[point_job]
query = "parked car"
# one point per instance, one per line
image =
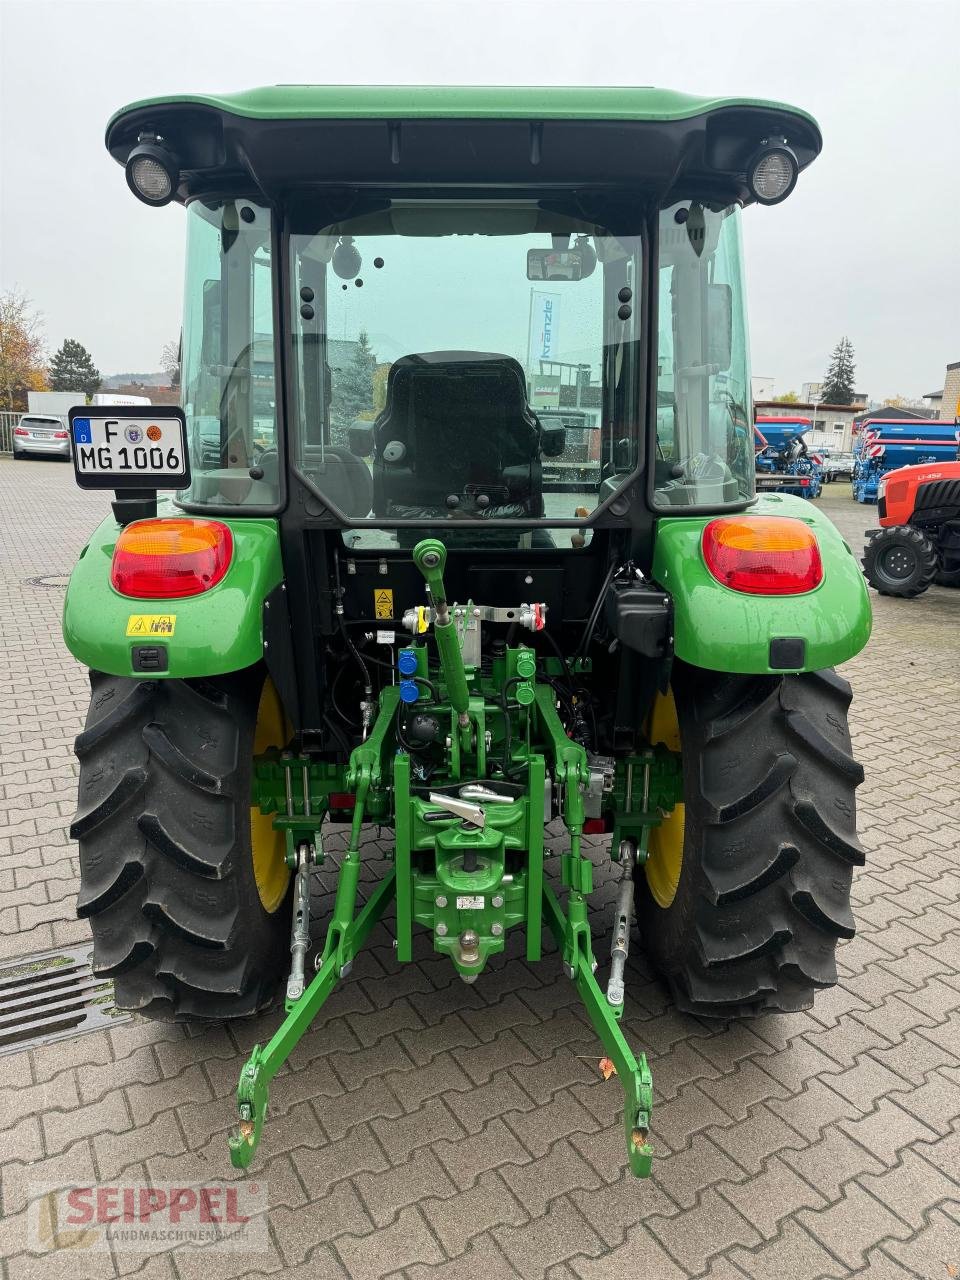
(837, 466)
(41, 433)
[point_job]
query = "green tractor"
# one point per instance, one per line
(464, 541)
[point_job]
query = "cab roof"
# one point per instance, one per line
(289, 136)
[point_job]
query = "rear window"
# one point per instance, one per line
(40, 422)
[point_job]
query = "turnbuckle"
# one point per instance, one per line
(620, 947)
(300, 927)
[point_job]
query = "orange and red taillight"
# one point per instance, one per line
(169, 559)
(762, 555)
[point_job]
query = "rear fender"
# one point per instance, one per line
(726, 630)
(210, 634)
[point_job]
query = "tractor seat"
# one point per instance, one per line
(456, 437)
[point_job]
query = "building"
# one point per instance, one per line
(950, 399)
(832, 423)
(933, 400)
(812, 392)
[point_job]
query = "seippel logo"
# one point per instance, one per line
(140, 1218)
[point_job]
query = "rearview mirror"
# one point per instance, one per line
(720, 325)
(360, 436)
(553, 440)
(557, 264)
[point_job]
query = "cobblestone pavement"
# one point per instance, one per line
(429, 1129)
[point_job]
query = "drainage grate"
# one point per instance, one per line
(52, 995)
(55, 581)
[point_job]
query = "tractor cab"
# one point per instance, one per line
(463, 541)
(425, 287)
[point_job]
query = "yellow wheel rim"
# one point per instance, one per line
(665, 849)
(267, 845)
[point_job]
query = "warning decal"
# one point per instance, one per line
(383, 603)
(151, 624)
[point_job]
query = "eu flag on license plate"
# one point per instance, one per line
(81, 431)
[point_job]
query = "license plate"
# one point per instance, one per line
(130, 447)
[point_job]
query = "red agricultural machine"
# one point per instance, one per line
(918, 541)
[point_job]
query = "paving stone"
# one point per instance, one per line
(429, 1125)
(712, 1226)
(500, 1095)
(560, 1234)
(482, 1258)
(559, 1171)
(162, 1137)
(18, 1099)
(749, 1142)
(915, 1057)
(64, 1169)
(832, 1162)
(813, 1109)
(458, 1218)
(448, 1033)
(690, 1112)
(467, 1158)
(887, 1130)
(639, 1255)
(62, 1128)
(793, 1253)
(936, 1102)
(442, 1075)
(538, 1129)
(406, 1241)
(847, 1040)
(613, 1208)
(930, 1249)
(851, 1226)
(542, 1080)
(299, 1231)
(742, 1088)
(687, 1174)
(339, 1115)
(371, 1027)
(483, 1060)
(777, 1192)
(912, 1186)
(321, 1167)
(385, 1193)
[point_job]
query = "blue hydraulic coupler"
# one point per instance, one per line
(409, 691)
(407, 662)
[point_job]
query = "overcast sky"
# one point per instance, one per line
(868, 245)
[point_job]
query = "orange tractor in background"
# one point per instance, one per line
(918, 542)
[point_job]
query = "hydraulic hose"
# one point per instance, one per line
(366, 706)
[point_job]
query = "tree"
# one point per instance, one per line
(72, 369)
(353, 387)
(788, 397)
(838, 383)
(170, 362)
(21, 350)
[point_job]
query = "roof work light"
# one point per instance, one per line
(772, 171)
(152, 170)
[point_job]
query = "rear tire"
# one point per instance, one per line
(947, 578)
(900, 561)
(166, 867)
(769, 844)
